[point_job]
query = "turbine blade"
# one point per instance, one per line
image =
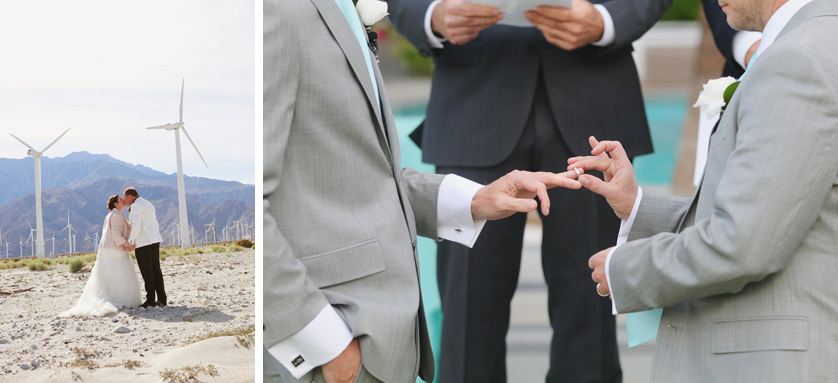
(194, 146)
(181, 99)
(53, 142)
(165, 126)
(21, 141)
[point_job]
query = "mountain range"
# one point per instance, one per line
(80, 184)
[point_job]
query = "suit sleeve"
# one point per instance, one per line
(291, 299)
(657, 213)
(632, 19)
(408, 16)
(136, 217)
(774, 186)
(422, 191)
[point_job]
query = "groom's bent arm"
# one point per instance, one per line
(774, 186)
(136, 217)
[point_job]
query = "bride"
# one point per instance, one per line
(113, 282)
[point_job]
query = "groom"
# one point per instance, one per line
(341, 283)
(745, 270)
(145, 235)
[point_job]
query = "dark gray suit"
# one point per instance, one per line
(510, 100)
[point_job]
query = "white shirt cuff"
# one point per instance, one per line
(622, 237)
(608, 35)
(743, 41)
(322, 340)
(433, 40)
(454, 220)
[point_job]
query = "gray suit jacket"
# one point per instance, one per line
(483, 90)
(340, 215)
(747, 271)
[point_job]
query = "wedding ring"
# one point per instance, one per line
(599, 293)
(578, 172)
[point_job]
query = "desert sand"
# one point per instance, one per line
(210, 295)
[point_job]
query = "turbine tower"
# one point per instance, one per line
(39, 218)
(70, 237)
(181, 191)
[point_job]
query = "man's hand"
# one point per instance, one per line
(597, 264)
(515, 191)
(750, 52)
(619, 187)
(461, 22)
(568, 28)
(344, 368)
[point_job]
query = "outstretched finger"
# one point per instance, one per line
(592, 163)
(565, 179)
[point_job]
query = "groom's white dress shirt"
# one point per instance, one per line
(144, 227)
(772, 29)
(327, 335)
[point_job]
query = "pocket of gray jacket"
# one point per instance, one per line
(345, 264)
(760, 334)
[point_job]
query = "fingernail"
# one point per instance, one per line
(584, 181)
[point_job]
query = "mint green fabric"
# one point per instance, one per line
(348, 10)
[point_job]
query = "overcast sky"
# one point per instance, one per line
(109, 69)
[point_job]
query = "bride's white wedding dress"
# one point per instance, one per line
(113, 282)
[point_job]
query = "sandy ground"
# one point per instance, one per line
(207, 293)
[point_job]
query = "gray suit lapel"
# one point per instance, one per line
(343, 34)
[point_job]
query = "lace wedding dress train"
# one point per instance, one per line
(113, 284)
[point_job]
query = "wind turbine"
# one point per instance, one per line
(181, 191)
(31, 239)
(52, 255)
(192, 231)
(210, 228)
(87, 240)
(39, 219)
(70, 236)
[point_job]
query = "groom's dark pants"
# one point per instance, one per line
(148, 259)
(476, 285)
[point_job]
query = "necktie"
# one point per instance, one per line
(355, 24)
(750, 64)
(643, 326)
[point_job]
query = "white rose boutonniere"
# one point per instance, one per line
(371, 11)
(716, 95)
